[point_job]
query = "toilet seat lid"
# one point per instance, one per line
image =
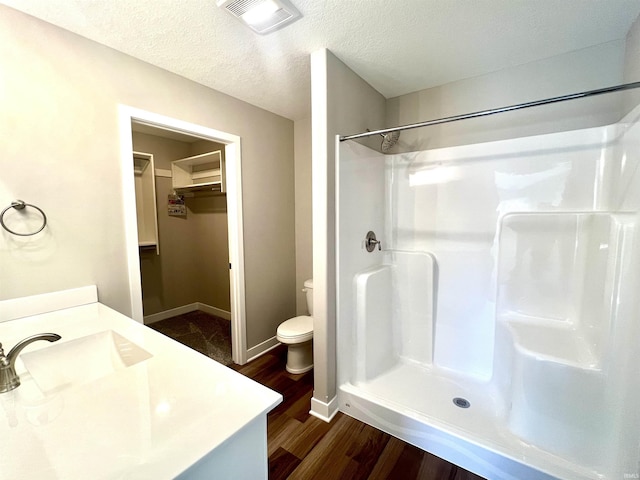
(296, 327)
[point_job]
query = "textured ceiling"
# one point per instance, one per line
(398, 46)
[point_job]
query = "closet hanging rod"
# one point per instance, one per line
(493, 111)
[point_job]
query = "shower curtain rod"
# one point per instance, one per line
(483, 113)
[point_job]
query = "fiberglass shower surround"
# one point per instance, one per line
(498, 326)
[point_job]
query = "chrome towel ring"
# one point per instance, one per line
(20, 205)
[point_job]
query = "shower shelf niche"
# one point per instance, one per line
(200, 172)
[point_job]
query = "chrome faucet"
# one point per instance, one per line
(8, 377)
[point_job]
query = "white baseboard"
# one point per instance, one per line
(203, 307)
(156, 317)
(172, 312)
(262, 348)
(324, 411)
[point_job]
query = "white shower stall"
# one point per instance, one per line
(498, 326)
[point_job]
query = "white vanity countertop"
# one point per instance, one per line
(151, 420)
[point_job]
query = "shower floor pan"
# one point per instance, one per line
(476, 438)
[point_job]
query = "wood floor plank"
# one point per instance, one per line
(274, 379)
(408, 463)
(292, 402)
(299, 408)
(279, 431)
(462, 474)
(350, 470)
(435, 467)
(253, 369)
(281, 464)
(303, 440)
(302, 447)
(328, 458)
(383, 467)
(333, 470)
(367, 450)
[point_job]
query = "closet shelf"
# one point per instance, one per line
(146, 210)
(140, 164)
(200, 172)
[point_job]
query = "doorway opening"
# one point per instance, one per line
(192, 211)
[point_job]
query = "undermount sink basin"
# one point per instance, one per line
(82, 360)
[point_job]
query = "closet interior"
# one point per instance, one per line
(182, 223)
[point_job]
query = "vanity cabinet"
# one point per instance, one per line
(200, 172)
(139, 405)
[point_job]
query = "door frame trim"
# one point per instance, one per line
(233, 163)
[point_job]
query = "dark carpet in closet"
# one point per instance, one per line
(205, 333)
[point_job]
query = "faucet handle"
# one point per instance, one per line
(3, 358)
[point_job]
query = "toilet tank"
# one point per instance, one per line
(308, 289)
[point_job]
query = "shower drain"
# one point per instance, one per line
(461, 402)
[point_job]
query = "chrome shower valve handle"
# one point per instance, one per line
(370, 242)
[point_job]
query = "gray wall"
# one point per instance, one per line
(586, 69)
(60, 150)
(341, 103)
(304, 250)
(632, 65)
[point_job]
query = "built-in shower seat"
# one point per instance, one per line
(554, 342)
(559, 286)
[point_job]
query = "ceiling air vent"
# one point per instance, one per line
(262, 16)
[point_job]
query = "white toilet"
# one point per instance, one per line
(297, 333)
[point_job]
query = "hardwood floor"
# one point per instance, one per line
(304, 447)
